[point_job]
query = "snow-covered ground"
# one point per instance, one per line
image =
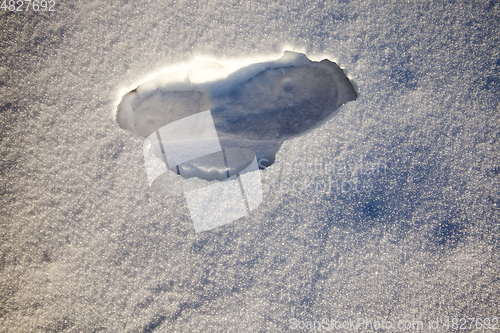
(390, 211)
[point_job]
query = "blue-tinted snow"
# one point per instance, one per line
(85, 245)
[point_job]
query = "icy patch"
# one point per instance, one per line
(208, 130)
(256, 107)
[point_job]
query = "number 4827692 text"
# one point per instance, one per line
(26, 5)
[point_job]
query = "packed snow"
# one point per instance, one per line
(255, 107)
(387, 212)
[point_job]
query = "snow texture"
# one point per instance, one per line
(390, 210)
(257, 107)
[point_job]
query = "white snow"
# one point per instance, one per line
(86, 245)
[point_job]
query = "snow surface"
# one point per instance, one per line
(388, 211)
(254, 108)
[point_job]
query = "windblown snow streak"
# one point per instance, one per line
(255, 108)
